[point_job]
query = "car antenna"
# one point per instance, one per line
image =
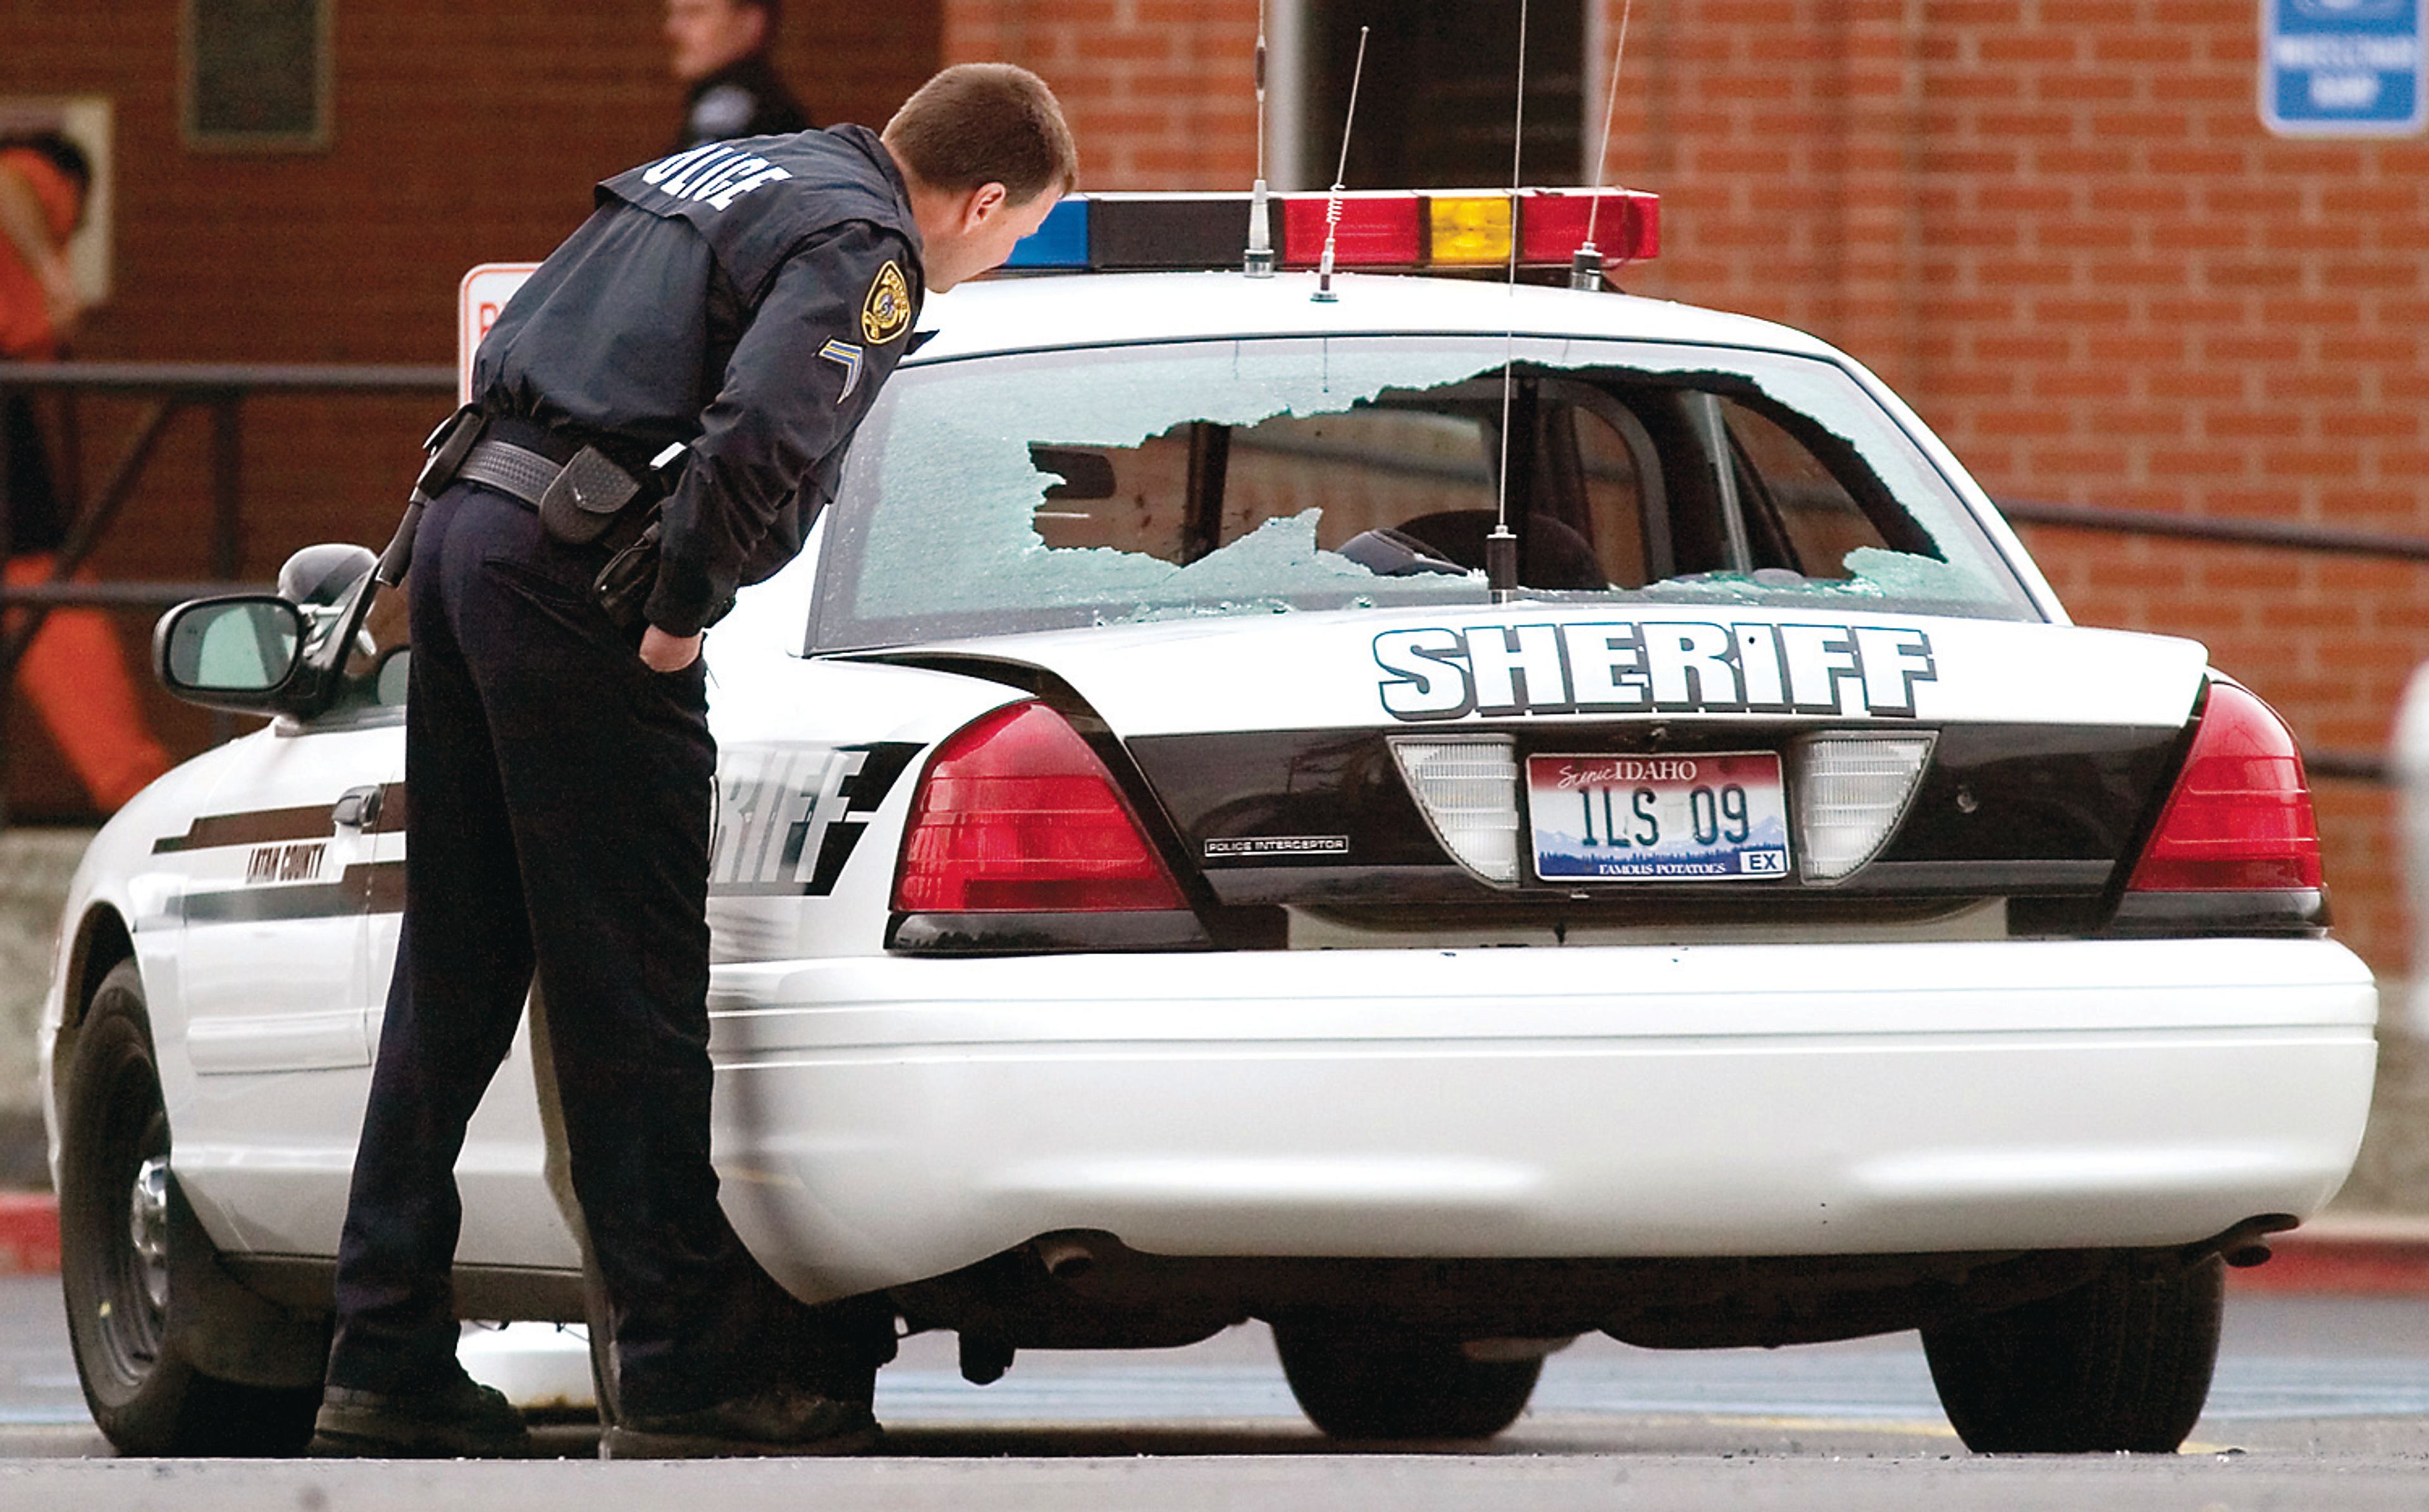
(1501, 548)
(1324, 294)
(1258, 262)
(1585, 266)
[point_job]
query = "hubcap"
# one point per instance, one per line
(147, 1225)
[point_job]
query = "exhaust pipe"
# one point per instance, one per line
(1065, 1257)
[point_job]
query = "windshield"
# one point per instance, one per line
(1118, 484)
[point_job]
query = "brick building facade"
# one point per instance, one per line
(462, 133)
(2058, 226)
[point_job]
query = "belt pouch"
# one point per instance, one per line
(586, 498)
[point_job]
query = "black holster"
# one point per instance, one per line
(446, 449)
(623, 585)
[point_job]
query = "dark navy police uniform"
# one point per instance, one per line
(748, 299)
(745, 98)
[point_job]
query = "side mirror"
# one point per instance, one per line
(271, 654)
(237, 652)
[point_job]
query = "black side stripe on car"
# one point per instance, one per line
(371, 887)
(259, 827)
(262, 827)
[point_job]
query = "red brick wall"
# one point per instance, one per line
(2057, 226)
(1154, 90)
(464, 132)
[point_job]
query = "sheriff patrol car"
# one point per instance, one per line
(1168, 873)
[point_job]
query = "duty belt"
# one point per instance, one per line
(511, 470)
(579, 499)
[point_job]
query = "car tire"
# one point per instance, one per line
(118, 1223)
(2120, 1364)
(1373, 1381)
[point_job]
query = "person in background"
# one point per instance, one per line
(73, 672)
(719, 49)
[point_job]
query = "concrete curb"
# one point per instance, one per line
(2349, 1254)
(29, 1233)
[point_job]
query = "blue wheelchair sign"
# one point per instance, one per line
(2342, 68)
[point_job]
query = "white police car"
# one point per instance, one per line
(1168, 873)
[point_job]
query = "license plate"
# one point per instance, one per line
(1658, 818)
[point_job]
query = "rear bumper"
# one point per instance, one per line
(885, 1120)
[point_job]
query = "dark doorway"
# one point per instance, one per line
(1434, 111)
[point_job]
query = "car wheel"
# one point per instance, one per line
(2121, 1363)
(118, 1231)
(1373, 1381)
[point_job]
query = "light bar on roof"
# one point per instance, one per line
(1396, 229)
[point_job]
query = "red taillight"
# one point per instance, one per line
(2240, 818)
(1017, 814)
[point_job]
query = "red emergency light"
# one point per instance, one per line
(1552, 225)
(1377, 230)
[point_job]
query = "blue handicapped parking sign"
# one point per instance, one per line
(2341, 67)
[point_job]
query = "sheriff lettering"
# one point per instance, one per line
(1652, 666)
(788, 817)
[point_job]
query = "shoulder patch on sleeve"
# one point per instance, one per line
(849, 357)
(886, 313)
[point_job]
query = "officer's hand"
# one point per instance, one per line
(668, 653)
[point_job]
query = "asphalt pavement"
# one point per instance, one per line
(2320, 1401)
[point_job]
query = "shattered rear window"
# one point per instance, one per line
(1201, 479)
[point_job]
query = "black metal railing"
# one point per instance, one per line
(220, 392)
(2293, 535)
(2297, 535)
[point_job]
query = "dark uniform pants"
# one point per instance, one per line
(559, 800)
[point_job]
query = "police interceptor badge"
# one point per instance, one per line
(887, 312)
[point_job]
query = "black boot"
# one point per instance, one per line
(780, 1421)
(456, 1419)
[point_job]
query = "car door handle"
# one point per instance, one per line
(356, 808)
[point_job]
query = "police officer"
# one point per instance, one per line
(741, 305)
(720, 48)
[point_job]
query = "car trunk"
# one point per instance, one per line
(1286, 760)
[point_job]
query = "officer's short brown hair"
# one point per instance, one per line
(978, 123)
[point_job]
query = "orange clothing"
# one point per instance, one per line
(74, 675)
(25, 333)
